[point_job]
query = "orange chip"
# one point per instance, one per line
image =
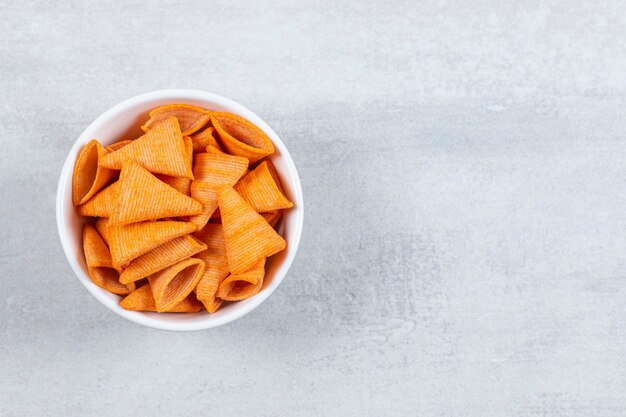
(214, 305)
(131, 286)
(241, 286)
(141, 196)
(142, 300)
(203, 139)
(102, 204)
(160, 258)
(216, 265)
(272, 169)
(191, 118)
(161, 150)
(96, 251)
(189, 305)
(118, 145)
(248, 236)
(206, 194)
(99, 264)
(180, 184)
(189, 150)
(171, 285)
(102, 226)
(89, 177)
(133, 240)
(259, 189)
(272, 217)
(213, 149)
(213, 171)
(241, 137)
(219, 169)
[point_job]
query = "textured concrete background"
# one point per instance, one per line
(464, 171)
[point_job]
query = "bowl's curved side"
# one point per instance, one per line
(122, 119)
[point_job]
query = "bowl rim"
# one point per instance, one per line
(140, 317)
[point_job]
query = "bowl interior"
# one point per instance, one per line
(123, 121)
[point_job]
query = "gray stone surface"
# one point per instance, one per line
(463, 165)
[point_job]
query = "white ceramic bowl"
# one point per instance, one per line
(123, 121)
